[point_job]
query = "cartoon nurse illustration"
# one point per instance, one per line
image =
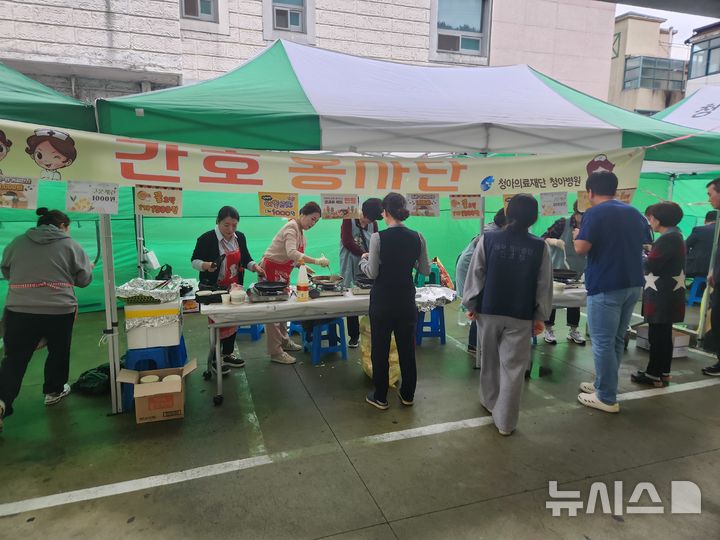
(51, 150)
(5, 145)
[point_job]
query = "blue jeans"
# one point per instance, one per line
(609, 315)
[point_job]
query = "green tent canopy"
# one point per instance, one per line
(295, 97)
(25, 100)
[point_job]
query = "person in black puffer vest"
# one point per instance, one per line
(508, 290)
(393, 255)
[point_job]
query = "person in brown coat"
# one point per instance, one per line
(664, 292)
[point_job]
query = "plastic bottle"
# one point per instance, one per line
(303, 285)
(462, 319)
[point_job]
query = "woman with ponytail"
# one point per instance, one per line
(394, 254)
(42, 266)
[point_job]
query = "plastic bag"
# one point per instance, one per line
(93, 382)
(366, 347)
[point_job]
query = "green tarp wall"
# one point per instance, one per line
(173, 239)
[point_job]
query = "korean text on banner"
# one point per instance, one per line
(18, 193)
(101, 158)
(423, 204)
(278, 204)
(158, 201)
(339, 206)
(466, 206)
(91, 198)
(553, 204)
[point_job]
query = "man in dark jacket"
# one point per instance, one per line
(699, 246)
(713, 191)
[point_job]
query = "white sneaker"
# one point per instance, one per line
(550, 337)
(52, 399)
(282, 358)
(591, 400)
(290, 345)
(587, 388)
(576, 337)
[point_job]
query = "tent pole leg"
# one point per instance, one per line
(140, 243)
(111, 315)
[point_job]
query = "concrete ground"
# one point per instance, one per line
(295, 452)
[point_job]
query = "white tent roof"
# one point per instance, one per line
(700, 110)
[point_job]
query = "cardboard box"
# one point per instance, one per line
(158, 401)
(681, 341)
(160, 336)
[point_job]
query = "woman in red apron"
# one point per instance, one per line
(287, 251)
(221, 256)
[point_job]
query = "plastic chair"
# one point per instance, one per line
(432, 279)
(696, 291)
(253, 330)
(435, 327)
(296, 328)
(333, 332)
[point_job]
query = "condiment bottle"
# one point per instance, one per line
(303, 285)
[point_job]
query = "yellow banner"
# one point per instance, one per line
(59, 154)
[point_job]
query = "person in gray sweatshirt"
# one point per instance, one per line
(42, 267)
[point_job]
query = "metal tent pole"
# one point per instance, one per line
(140, 245)
(111, 315)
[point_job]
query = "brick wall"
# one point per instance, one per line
(145, 39)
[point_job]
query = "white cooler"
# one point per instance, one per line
(160, 336)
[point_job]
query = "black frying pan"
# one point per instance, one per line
(270, 286)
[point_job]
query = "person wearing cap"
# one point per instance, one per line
(355, 237)
(560, 239)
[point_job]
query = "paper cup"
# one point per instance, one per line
(225, 298)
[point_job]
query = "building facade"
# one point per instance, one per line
(704, 57)
(643, 76)
(98, 48)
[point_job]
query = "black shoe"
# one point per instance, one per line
(354, 343)
(712, 371)
(472, 349)
(382, 405)
(232, 361)
(643, 378)
(225, 369)
(406, 402)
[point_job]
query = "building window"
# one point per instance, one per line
(461, 26)
(289, 15)
(654, 73)
(705, 58)
(202, 10)
(616, 45)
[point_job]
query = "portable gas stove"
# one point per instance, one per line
(256, 296)
(322, 291)
(361, 288)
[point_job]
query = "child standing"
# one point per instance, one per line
(664, 292)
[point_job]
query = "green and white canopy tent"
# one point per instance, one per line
(295, 97)
(25, 100)
(700, 110)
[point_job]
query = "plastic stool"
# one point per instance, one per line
(334, 333)
(296, 328)
(435, 327)
(696, 291)
(253, 330)
(177, 355)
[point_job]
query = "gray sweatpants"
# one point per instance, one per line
(504, 355)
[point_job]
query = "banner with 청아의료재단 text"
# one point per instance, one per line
(49, 153)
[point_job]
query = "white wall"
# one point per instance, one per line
(137, 40)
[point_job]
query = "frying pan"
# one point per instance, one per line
(270, 286)
(327, 282)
